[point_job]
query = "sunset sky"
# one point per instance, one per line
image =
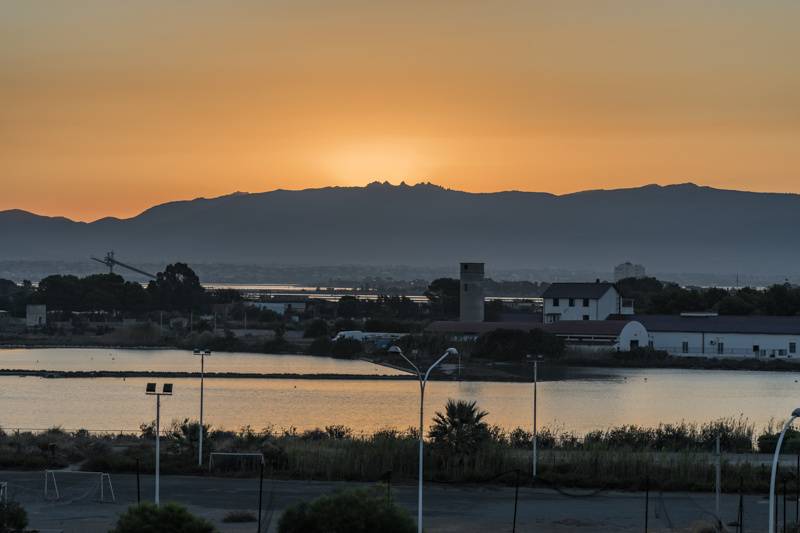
(109, 107)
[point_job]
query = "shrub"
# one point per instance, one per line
(13, 517)
(320, 346)
(316, 328)
(459, 431)
(168, 518)
(355, 511)
(345, 348)
(235, 517)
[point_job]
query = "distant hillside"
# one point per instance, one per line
(677, 228)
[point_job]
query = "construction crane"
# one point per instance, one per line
(110, 262)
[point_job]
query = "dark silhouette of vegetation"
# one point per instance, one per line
(353, 511)
(347, 348)
(316, 328)
(177, 288)
(443, 294)
(167, 518)
(515, 345)
(13, 517)
(652, 296)
(459, 431)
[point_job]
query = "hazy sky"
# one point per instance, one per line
(108, 107)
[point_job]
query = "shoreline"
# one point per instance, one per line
(67, 374)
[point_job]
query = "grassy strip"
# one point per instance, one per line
(673, 457)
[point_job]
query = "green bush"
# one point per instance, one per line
(168, 518)
(13, 517)
(355, 511)
(237, 517)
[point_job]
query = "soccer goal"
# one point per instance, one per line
(240, 461)
(74, 485)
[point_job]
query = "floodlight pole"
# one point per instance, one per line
(535, 437)
(422, 382)
(202, 354)
(158, 449)
(775, 458)
(151, 391)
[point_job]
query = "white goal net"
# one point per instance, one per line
(69, 486)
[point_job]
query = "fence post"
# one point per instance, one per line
(740, 517)
(138, 485)
(260, 493)
(516, 498)
(646, 501)
(718, 477)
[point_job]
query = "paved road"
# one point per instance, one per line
(447, 509)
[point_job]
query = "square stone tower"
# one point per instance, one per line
(471, 293)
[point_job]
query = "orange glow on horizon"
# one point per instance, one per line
(110, 108)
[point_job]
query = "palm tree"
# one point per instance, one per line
(460, 430)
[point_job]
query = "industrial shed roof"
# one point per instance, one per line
(610, 328)
(765, 325)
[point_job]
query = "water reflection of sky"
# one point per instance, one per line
(644, 397)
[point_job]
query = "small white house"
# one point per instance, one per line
(710, 335)
(35, 316)
(583, 301)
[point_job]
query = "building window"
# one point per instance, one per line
(634, 344)
(685, 347)
(720, 348)
(466, 287)
(756, 349)
(792, 347)
(782, 352)
(555, 302)
(572, 302)
(586, 317)
(586, 302)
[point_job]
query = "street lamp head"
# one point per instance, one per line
(451, 351)
(150, 388)
(395, 350)
(196, 351)
(796, 412)
(167, 389)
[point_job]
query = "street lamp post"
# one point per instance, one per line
(423, 380)
(202, 354)
(165, 391)
(535, 435)
(795, 414)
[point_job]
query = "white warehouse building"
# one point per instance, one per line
(710, 335)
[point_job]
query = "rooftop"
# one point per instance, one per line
(753, 324)
(563, 327)
(594, 290)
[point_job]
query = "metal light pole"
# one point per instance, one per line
(795, 414)
(422, 382)
(535, 435)
(165, 391)
(202, 354)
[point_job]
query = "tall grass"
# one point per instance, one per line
(671, 456)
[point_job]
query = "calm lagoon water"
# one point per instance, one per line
(575, 400)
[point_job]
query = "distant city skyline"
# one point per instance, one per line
(110, 108)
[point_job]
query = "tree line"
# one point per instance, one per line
(177, 288)
(652, 296)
